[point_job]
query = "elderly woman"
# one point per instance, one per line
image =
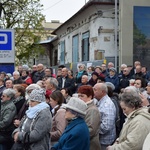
(34, 128)
(92, 117)
(7, 114)
(25, 105)
(81, 71)
(76, 134)
(136, 127)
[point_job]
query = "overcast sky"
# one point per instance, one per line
(61, 9)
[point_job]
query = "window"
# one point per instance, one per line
(85, 46)
(75, 48)
(62, 55)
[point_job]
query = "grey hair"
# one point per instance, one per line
(131, 99)
(16, 72)
(104, 87)
(53, 81)
(123, 65)
(131, 89)
(9, 92)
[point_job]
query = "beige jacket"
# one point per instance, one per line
(92, 120)
(134, 132)
(58, 125)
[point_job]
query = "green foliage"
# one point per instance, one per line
(24, 16)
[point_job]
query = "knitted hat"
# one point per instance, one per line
(37, 95)
(112, 69)
(76, 105)
(9, 75)
(32, 87)
(25, 67)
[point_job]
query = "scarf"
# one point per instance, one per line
(32, 111)
(79, 74)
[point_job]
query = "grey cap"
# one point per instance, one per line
(112, 69)
(37, 95)
(25, 67)
(76, 105)
(109, 84)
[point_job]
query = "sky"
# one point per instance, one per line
(61, 10)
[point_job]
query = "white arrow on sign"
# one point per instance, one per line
(5, 41)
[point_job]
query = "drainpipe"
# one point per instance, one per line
(116, 27)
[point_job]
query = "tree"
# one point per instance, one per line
(26, 18)
(138, 37)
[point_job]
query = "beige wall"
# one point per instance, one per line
(126, 29)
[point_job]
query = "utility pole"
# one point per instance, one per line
(116, 33)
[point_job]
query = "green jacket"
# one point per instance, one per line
(7, 114)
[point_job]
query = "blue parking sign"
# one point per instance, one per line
(7, 46)
(5, 40)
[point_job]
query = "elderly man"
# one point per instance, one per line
(51, 84)
(9, 83)
(17, 78)
(108, 115)
(39, 74)
(65, 82)
(84, 81)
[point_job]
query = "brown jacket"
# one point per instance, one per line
(58, 125)
(92, 120)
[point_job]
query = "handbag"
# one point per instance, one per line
(24, 145)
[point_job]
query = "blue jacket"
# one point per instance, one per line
(75, 137)
(114, 80)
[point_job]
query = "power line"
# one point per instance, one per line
(53, 5)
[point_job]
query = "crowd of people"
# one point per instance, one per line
(95, 108)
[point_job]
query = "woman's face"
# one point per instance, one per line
(33, 103)
(23, 73)
(53, 103)
(64, 93)
(94, 77)
(69, 115)
(81, 67)
(84, 97)
(137, 83)
(126, 110)
(17, 93)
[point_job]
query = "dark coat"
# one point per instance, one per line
(1, 90)
(69, 83)
(18, 81)
(75, 137)
(38, 76)
(114, 80)
(124, 81)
